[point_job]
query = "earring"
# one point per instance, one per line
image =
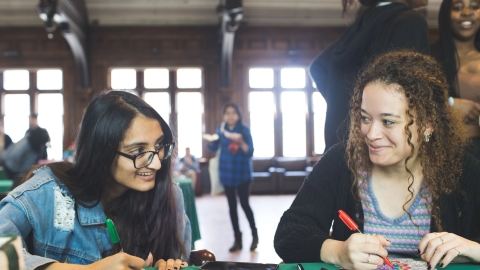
(427, 137)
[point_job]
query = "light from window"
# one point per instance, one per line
(124, 78)
(260, 78)
(189, 113)
(156, 78)
(292, 78)
(50, 117)
(294, 127)
(16, 80)
(17, 110)
(49, 79)
(262, 113)
(160, 101)
(319, 113)
(189, 78)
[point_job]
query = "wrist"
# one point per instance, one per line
(330, 251)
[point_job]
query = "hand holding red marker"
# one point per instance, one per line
(354, 227)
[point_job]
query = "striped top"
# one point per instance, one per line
(401, 232)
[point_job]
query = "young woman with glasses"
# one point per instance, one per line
(122, 172)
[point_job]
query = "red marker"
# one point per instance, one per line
(354, 227)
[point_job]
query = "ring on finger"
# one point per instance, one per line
(457, 251)
(441, 239)
(368, 258)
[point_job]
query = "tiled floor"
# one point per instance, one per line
(216, 229)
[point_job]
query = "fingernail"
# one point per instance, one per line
(425, 250)
(441, 265)
(418, 251)
(175, 268)
(390, 241)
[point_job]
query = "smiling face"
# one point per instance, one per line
(465, 19)
(383, 124)
(144, 134)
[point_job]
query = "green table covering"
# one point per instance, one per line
(190, 208)
(318, 266)
(6, 185)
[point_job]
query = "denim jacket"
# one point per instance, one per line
(54, 231)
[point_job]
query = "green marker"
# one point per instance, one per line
(113, 234)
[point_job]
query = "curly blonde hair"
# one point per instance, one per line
(426, 90)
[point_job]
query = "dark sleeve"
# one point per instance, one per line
(306, 224)
(8, 141)
(472, 188)
(409, 31)
(319, 69)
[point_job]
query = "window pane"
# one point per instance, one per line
(17, 110)
(124, 78)
(319, 113)
(294, 128)
(189, 78)
(161, 103)
(262, 113)
(50, 117)
(189, 112)
(260, 78)
(49, 79)
(16, 80)
(156, 78)
(293, 77)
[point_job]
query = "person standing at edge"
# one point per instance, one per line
(383, 26)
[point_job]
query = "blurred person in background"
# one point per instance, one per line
(235, 169)
(188, 166)
(5, 142)
(28, 151)
(33, 125)
(382, 26)
(458, 51)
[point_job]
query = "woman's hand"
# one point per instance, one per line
(360, 251)
(170, 264)
(434, 246)
(470, 110)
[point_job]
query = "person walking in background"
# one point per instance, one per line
(235, 169)
(458, 50)
(33, 125)
(5, 142)
(383, 26)
(188, 166)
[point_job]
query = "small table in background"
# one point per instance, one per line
(190, 207)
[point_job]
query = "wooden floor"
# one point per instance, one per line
(217, 233)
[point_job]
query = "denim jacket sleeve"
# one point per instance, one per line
(14, 219)
(183, 222)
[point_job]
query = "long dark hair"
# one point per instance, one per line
(146, 221)
(444, 49)
(422, 80)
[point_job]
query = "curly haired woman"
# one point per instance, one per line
(402, 176)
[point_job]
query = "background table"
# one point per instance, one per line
(190, 207)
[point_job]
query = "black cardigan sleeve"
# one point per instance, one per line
(306, 224)
(409, 31)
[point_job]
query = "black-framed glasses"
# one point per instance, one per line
(144, 159)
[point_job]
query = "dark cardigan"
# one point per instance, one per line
(377, 30)
(306, 225)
